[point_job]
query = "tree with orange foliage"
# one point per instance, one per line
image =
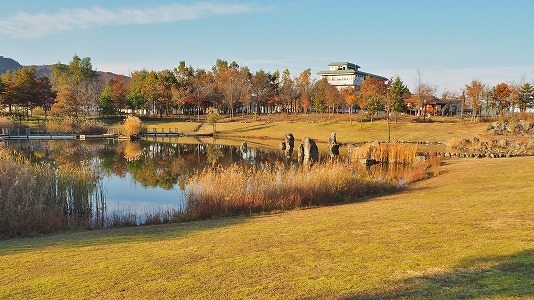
(349, 96)
(373, 92)
(304, 84)
(475, 93)
(501, 97)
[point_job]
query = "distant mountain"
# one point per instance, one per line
(41, 70)
(8, 64)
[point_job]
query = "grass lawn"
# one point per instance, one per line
(464, 234)
(405, 130)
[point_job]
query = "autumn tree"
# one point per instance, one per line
(22, 90)
(183, 89)
(333, 98)
(318, 95)
(203, 88)
(423, 93)
(263, 88)
(232, 82)
(288, 92)
(348, 94)
(304, 84)
(501, 96)
(213, 117)
(373, 93)
(475, 93)
(80, 82)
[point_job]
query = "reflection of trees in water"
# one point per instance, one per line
(151, 164)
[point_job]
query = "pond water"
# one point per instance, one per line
(148, 175)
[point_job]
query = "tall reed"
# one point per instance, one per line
(390, 153)
(235, 190)
(40, 199)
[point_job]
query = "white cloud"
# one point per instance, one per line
(25, 25)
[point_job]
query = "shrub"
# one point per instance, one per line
(92, 127)
(61, 125)
(5, 123)
(133, 127)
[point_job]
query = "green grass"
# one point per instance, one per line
(464, 234)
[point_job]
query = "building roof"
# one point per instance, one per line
(342, 63)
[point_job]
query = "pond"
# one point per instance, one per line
(147, 175)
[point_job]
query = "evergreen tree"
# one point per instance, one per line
(526, 97)
(397, 93)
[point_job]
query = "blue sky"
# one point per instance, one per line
(449, 42)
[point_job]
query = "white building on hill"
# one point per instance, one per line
(346, 74)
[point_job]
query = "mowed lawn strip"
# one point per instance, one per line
(466, 233)
(405, 130)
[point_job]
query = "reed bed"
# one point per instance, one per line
(388, 153)
(235, 190)
(41, 199)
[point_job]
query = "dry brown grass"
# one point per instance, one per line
(41, 199)
(234, 190)
(388, 153)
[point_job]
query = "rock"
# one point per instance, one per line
(333, 145)
(290, 143)
(310, 150)
(501, 143)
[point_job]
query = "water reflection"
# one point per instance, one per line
(143, 175)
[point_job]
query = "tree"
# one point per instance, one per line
(398, 92)
(288, 92)
(424, 92)
(232, 82)
(23, 90)
(526, 97)
(81, 82)
(105, 102)
(183, 89)
(46, 97)
(349, 96)
(203, 88)
(333, 98)
(213, 117)
(263, 88)
(500, 95)
(118, 91)
(475, 93)
(318, 95)
(373, 92)
(304, 84)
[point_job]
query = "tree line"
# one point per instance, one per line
(75, 89)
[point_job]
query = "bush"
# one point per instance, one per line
(133, 127)
(5, 123)
(92, 127)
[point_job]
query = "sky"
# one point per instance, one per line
(444, 43)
